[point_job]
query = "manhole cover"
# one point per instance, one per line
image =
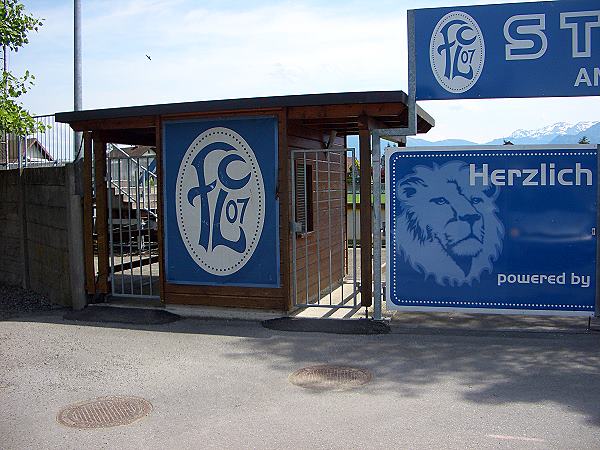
(334, 378)
(104, 412)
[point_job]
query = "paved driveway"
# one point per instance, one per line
(224, 384)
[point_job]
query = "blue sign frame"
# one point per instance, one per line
(538, 49)
(221, 209)
(492, 229)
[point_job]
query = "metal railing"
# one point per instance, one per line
(137, 175)
(133, 224)
(55, 146)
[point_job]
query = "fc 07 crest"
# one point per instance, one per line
(457, 52)
(220, 200)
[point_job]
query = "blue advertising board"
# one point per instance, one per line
(495, 229)
(538, 49)
(221, 220)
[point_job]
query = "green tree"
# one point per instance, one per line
(354, 167)
(584, 140)
(15, 25)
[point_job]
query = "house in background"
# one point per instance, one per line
(353, 200)
(353, 221)
(134, 151)
(34, 153)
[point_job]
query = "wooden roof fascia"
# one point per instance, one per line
(114, 123)
(224, 113)
(345, 111)
(285, 101)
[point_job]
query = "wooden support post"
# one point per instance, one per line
(88, 215)
(102, 286)
(366, 262)
(284, 198)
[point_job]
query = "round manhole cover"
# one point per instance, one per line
(104, 412)
(333, 378)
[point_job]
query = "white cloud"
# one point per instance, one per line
(281, 49)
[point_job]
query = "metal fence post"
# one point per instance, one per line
(376, 163)
(6, 149)
(25, 151)
(19, 156)
(410, 130)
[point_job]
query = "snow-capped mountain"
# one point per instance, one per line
(417, 142)
(557, 133)
(546, 135)
(592, 134)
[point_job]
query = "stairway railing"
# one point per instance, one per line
(147, 175)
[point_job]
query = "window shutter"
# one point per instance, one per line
(301, 196)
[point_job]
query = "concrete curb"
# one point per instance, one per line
(134, 316)
(213, 312)
(333, 326)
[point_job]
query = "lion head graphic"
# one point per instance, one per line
(444, 227)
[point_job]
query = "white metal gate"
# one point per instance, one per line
(133, 223)
(325, 251)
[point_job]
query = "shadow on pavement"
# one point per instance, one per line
(492, 366)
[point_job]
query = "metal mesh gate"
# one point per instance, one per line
(324, 228)
(133, 221)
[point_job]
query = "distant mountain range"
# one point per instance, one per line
(558, 133)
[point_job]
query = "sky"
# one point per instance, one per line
(217, 49)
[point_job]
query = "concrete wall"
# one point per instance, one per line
(40, 233)
(11, 257)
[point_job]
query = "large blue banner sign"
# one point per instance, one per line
(492, 229)
(221, 208)
(539, 49)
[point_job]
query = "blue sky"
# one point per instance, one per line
(218, 49)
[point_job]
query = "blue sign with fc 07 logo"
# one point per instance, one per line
(221, 208)
(503, 229)
(538, 49)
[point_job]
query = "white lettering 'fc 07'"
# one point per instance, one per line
(220, 201)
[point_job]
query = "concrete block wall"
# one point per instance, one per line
(38, 248)
(11, 257)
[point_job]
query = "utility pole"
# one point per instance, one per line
(77, 97)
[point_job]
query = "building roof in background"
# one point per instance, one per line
(136, 151)
(33, 142)
(13, 151)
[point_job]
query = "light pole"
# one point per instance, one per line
(77, 97)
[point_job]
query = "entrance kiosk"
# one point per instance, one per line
(250, 198)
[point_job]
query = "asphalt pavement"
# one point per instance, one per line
(224, 384)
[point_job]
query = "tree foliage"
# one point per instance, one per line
(354, 167)
(15, 25)
(584, 140)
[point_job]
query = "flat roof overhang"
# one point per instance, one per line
(343, 113)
